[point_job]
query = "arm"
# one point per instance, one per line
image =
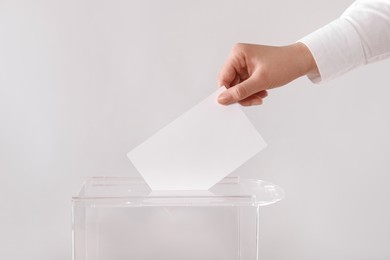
(361, 35)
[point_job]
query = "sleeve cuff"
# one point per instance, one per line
(336, 49)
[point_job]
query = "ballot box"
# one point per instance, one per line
(121, 218)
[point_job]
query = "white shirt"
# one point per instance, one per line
(360, 36)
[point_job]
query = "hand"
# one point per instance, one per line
(252, 69)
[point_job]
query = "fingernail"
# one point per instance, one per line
(257, 101)
(225, 98)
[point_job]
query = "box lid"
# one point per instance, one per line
(132, 192)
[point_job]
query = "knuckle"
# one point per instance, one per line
(239, 92)
(238, 47)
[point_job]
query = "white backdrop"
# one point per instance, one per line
(82, 82)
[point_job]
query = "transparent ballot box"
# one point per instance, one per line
(122, 219)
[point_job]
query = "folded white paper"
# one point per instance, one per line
(199, 148)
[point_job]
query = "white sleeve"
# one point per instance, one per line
(360, 36)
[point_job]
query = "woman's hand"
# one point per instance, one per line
(252, 69)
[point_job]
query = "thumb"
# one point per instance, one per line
(241, 91)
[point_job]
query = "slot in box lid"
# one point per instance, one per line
(134, 192)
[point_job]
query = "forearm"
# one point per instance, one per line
(361, 35)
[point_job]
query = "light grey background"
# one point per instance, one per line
(83, 82)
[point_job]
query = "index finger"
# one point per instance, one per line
(227, 74)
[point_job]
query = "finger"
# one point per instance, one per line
(235, 67)
(256, 99)
(241, 91)
(236, 80)
(251, 101)
(261, 94)
(227, 74)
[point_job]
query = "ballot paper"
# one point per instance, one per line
(199, 148)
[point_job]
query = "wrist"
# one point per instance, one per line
(305, 59)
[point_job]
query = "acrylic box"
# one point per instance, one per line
(122, 219)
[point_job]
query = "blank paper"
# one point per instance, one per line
(199, 148)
